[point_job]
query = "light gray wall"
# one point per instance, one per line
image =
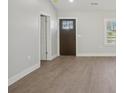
(90, 32)
(24, 33)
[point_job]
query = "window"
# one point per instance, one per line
(67, 25)
(110, 31)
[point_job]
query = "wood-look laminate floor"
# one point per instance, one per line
(71, 75)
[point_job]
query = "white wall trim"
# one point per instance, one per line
(43, 13)
(97, 54)
(53, 57)
(22, 74)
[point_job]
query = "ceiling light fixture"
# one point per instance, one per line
(71, 1)
(55, 1)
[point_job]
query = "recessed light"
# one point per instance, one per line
(71, 1)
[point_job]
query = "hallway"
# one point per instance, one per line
(68, 74)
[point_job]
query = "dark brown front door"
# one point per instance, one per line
(67, 36)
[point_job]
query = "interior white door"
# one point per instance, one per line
(43, 38)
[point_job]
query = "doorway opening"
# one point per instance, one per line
(44, 28)
(67, 28)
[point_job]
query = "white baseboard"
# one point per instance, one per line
(97, 54)
(52, 57)
(22, 74)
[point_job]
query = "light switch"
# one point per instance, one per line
(79, 35)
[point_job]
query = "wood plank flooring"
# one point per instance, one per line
(68, 74)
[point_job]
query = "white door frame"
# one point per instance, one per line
(48, 37)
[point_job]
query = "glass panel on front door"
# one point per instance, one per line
(67, 25)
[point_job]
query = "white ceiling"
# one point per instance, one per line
(82, 5)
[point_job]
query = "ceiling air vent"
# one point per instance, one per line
(94, 4)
